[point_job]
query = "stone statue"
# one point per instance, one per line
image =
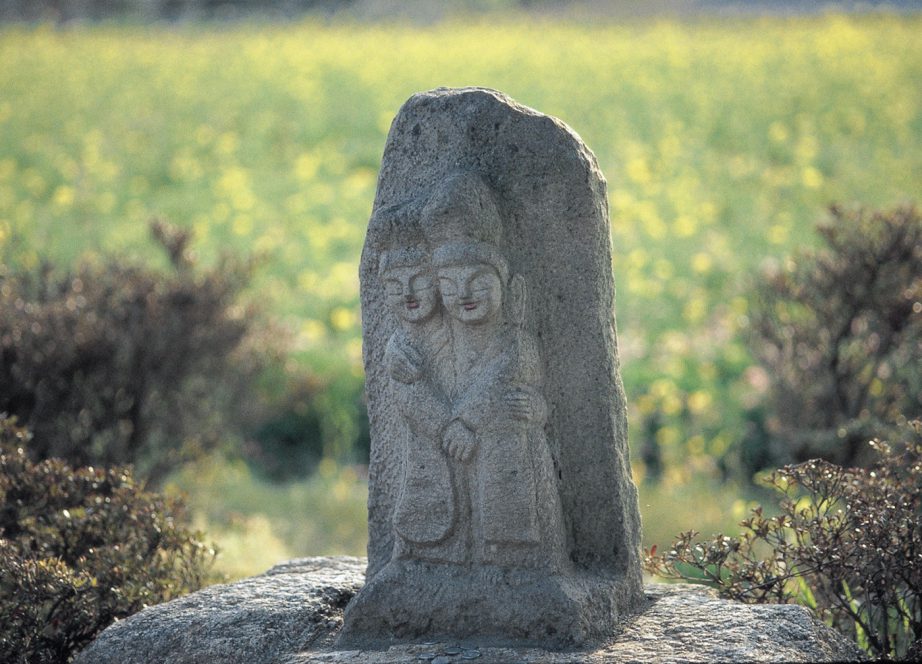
(501, 508)
(467, 379)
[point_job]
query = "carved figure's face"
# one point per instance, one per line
(410, 292)
(471, 293)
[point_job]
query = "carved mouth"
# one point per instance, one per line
(469, 306)
(413, 304)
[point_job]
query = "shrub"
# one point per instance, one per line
(81, 548)
(847, 543)
(289, 442)
(115, 364)
(839, 333)
(308, 418)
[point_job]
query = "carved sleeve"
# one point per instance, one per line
(424, 408)
(419, 401)
(518, 367)
(403, 362)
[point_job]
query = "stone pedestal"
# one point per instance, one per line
(293, 613)
(484, 605)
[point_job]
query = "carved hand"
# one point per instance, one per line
(458, 441)
(406, 363)
(524, 404)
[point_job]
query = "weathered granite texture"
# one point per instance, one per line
(294, 606)
(501, 505)
(292, 614)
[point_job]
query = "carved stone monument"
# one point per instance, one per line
(501, 506)
(502, 515)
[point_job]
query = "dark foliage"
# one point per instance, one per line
(305, 419)
(81, 548)
(289, 443)
(116, 364)
(847, 543)
(839, 333)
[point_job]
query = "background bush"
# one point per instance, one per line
(80, 548)
(838, 331)
(307, 418)
(846, 543)
(111, 363)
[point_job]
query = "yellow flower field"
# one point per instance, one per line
(722, 142)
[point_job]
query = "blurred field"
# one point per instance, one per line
(257, 524)
(722, 141)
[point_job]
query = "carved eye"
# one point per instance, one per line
(421, 283)
(393, 288)
(482, 283)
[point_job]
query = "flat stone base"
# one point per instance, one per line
(293, 613)
(411, 601)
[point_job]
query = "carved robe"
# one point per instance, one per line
(426, 513)
(512, 485)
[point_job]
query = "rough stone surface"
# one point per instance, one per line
(291, 615)
(294, 606)
(501, 505)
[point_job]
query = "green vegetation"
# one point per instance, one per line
(721, 141)
(838, 332)
(115, 364)
(81, 548)
(324, 514)
(846, 544)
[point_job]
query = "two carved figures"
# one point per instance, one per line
(466, 378)
(500, 502)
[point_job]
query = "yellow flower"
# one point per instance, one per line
(699, 401)
(639, 171)
(685, 226)
(778, 132)
(306, 167)
(702, 262)
(812, 178)
(778, 234)
(342, 319)
(64, 196)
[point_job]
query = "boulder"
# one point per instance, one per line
(293, 607)
(292, 614)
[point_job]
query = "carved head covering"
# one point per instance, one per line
(462, 222)
(401, 237)
(402, 257)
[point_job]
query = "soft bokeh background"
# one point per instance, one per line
(723, 136)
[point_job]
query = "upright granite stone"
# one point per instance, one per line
(501, 506)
